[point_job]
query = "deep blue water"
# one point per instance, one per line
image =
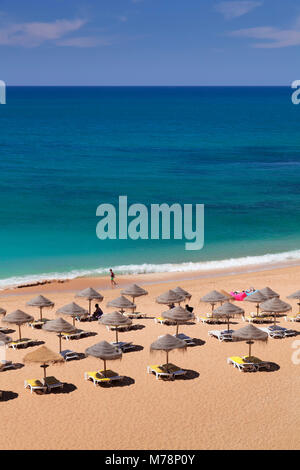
(65, 150)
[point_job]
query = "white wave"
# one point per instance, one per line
(267, 259)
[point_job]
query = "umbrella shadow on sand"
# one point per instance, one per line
(138, 326)
(67, 388)
(126, 382)
(198, 342)
(190, 375)
(8, 395)
(135, 348)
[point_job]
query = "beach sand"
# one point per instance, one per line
(216, 408)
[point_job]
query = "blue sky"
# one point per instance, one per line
(149, 42)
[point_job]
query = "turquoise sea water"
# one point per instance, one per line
(66, 150)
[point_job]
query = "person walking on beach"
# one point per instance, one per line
(112, 278)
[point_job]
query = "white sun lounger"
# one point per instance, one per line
(278, 332)
(5, 365)
(123, 345)
(293, 318)
(241, 364)
(67, 354)
(187, 339)
(135, 315)
(21, 343)
(221, 335)
(34, 384)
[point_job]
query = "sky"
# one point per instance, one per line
(149, 42)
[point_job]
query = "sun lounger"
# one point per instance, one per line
(5, 365)
(187, 339)
(255, 319)
(67, 354)
(164, 321)
(292, 318)
(77, 334)
(3, 329)
(276, 331)
(119, 328)
(96, 378)
(21, 343)
(222, 335)
(241, 364)
(208, 319)
(123, 345)
(52, 382)
(175, 370)
(259, 364)
(135, 315)
(34, 384)
(38, 323)
(159, 372)
(110, 374)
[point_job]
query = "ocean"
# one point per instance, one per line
(65, 150)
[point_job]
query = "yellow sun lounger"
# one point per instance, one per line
(292, 317)
(34, 384)
(164, 321)
(159, 372)
(96, 377)
(20, 343)
(241, 364)
(69, 336)
(110, 374)
(175, 370)
(52, 382)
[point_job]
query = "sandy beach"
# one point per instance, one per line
(216, 407)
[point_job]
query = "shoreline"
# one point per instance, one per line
(103, 282)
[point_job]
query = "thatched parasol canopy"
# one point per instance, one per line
(41, 302)
(214, 297)
(275, 307)
(257, 297)
(73, 310)
(122, 303)
(228, 310)
(59, 325)
(44, 356)
(178, 315)
(183, 292)
(268, 293)
(167, 343)
(90, 294)
(18, 317)
(134, 291)
(170, 297)
(250, 334)
(104, 351)
(115, 319)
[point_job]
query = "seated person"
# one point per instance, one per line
(97, 313)
(189, 309)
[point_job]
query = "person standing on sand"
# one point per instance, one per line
(112, 278)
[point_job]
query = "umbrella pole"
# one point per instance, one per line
(104, 360)
(167, 357)
(257, 309)
(73, 321)
(117, 337)
(133, 310)
(19, 332)
(227, 323)
(177, 325)
(90, 305)
(41, 313)
(59, 335)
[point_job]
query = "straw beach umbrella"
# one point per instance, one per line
(90, 294)
(228, 310)
(2, 311)
(115, 319)
(257, 297)
(268, 293)
(214, 297)
(183, 292)
(134, 291)
(72, 310)
(167, 343)
(43, 356)
(275, 307)
(295, 295)
(178, 315)
(18, 317)
(104, 351)
(250, 334)
(122, 303)
(41, 302)
(59, 325)
(170, 297)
